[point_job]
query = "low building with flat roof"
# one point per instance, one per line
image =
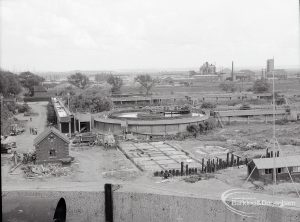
(263, 168)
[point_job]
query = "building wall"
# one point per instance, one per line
(163, 129)
(44, 147)
(64, 127)
(268, 178)
(259, 174)
(134, 206)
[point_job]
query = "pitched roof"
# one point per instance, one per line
(278, 162)
(46, 132)
(39, 88)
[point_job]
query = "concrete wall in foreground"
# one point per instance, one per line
(144, 207)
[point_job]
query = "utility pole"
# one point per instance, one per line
(274, 131)
(232, 75)
(70, 119)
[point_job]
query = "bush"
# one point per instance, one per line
(208, 105)
(233, 102)
(228, 86)
(51, 115)
(208, 125)
(261, 86)
(211, 123)
(283, 121)
(23, 108)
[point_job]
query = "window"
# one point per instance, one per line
(52, 153)
(296, 169)
(280, 170)
(268, 171)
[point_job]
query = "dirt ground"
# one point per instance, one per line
(94, 166)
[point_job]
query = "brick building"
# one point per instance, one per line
(263, 168)
(52, 146)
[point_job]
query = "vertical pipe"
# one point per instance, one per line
(108, 203)
(70, 127)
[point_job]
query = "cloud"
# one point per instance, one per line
(104, 34)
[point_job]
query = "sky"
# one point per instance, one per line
(62, 35)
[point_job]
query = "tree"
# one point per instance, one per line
(9, 83)
(116, 83)
(102, 77)
(228, 86)
(193, 129)
(146, 81)
(29, 80)
(261, 86)
(51, 115)
(79, 80)
(92, 101)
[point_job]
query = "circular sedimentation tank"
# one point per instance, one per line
(148, 121)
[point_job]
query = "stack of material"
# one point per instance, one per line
(55, 170)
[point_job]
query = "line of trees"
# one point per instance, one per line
(79, 80)
(259, 86)
(11, 84)
(28, 80)
(116, 83)
(93, 101)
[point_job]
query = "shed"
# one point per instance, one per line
(263, 168)
(51, 146)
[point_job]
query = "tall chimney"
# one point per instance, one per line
(232, 73)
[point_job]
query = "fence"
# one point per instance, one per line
(209, 166)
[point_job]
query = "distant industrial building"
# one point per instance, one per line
(245, 75)
(207, 69)
(278, 73)
(270, 65)
(207, 78)
(207, 73)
